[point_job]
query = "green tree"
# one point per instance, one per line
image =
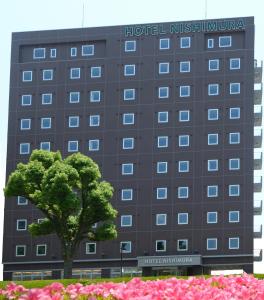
(71, 196)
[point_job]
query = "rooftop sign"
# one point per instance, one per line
(185, 27)
(171, 260)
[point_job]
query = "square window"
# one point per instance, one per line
(183, 166)
(162, 193)
(73, 52)
(234, 113)
(225, 41)
(126, 221)
(213, 89)
(233, 216)
(21, 225)
(45, 146)
(73, 146)
(210, 43)
(53, 53)
(213, 64)
(161, 219)
(164, 44)
(125, 247)
(24, 148)
(94, 145)
(212, 165)
(39, 53)
(185, 66)
(211, 217)
(234, 190)
(27, 76)
(90, 248)
(162, 141)
(213, 114)
(41, 250)
(163, 92)
(129, 94)
(185, 91)
(212, 138)
(46, 99)
(127, 194)
(163, 117)
(234, 138)
(95, 96)
(129, 70)
(182, 218)
(26, 100)
(20, 250)
(162, 167)
(45, 123)
(234, 88)
(74, 97)
(234, 164)
(94, 120)
(47, 74)
(212, 191)
(130, 46)
(182, 245)
(211, 244)
(234, 63)
(160, 245)
(233, 243)
(22, 200)
(128, 143)
(87, 50)
(128, 169)
(75, 73)
(128, 119)
(185, 42)
(164, 68)
(74, 121)
(184, 140)
(184, 116)
(25, 124)
(96, 72)
(183, 192)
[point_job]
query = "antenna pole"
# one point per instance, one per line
(83, 15)
(205, 9)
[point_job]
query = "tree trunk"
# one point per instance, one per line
(67, 266)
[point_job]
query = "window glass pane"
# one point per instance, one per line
(185, 66)
(39, 53)
(47, 74)
(94, 145)
(75, 73)
(210, 43)
(87, 50)
(182, 245)
(235, 88)
(213, 89)
(162, 193)
(74, 97)
(160, 245)
(213, 64)
(130, 46)
(164, 44)
(225, 41)
(95, 72)
(46, 99)
(162, 141)
(163, 92)
(185, 91)
(183, 192)
(162, 167)
(234, 64)
(72, 146)
(26, 100)
(27, 76)
(234, 113)
(164, 68)
(163, 117)
(213, 114)
(212, 165)
(126, 194)
(183, 166)
(129, 94)
(129, 70)
(125, 247)
(183, 140)
(212, 190)
(211, 244)
(94, 120)
(185, 42)
(184, 115)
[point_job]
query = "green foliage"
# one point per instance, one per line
(70, 195)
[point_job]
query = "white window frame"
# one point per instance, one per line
(47, 71)
(210, 85)
(184, 136)
(87, 245)
(165, 245)
(50, 95)
(39, 57)
(71, 143)
(229, 216)
(167, 64)
(24, 97)
(180, 162)
(37, 249)
(211, 110)
(19, 200)
(99, 74)
(41, 146)
(178, 243)
(28, 123)
(129, 98)
(124, 141)
(216, 194)
(53, 53)
(210, 43)
(230, 186)
(91, 144)
(74, 51)
(168, 44)
(223, 37)
(231, 85)
(230, 113)
(215, 213)
(185, 215)
(209, 169)
(125, 115)
(160, 164)
(73, 118)
(42, 122)
(166, 114)
(159, 189)
(182, 63)
(71, 73)
(17, 226)
(167, 92)
(24, 74)
(92, 96)
(129, 218)
(188, 91)
(158, 223)
(91, 120)
(25, 249)
(71, 95)
(229, 243)
(180, 116)
(166, 139)
(217, 64)
(122, 248)
(231, 134)
(20, 148)
(183, 39)
(231, 61)
(207, 243)
(124, 166)
(128, 66)
(134, 48)
(123, 191)
(208, 139)
(90, 46)
(184, 188)
(230, 164)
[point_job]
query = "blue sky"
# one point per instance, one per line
(28, 15)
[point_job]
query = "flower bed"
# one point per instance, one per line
(195, 288)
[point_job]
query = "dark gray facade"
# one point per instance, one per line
(189, 114)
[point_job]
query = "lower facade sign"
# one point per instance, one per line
(171, 260)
